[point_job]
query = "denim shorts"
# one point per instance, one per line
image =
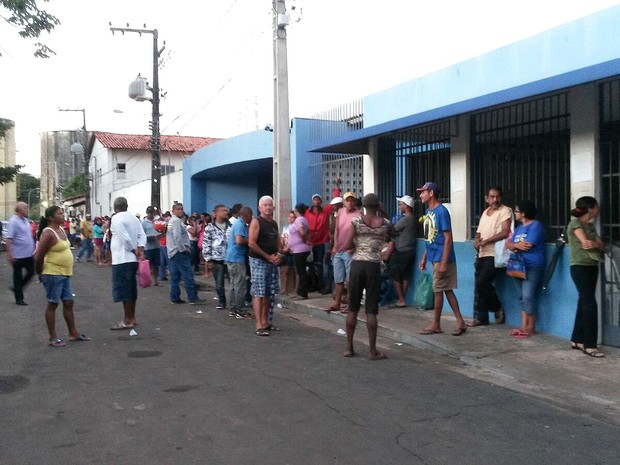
(124, 283)
(265, 278)
(342, 267)
(57, 287)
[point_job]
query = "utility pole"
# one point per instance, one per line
(154, 123)
(281, 135)
(86, 157)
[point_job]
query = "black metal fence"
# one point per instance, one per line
(525, 149)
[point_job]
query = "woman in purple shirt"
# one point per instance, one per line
(298, 245)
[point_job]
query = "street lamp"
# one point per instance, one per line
(30, 191)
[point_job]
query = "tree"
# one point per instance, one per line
(77, 186)
(31, 22)
(28, 190)
(7, 173)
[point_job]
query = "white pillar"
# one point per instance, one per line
(459, 186)
(583, 107)
(371, 163)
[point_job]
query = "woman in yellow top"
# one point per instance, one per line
(54, 264)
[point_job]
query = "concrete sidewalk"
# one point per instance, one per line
(542, 366)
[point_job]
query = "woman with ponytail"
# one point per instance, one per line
(586, 249)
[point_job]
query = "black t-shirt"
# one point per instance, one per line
(268, 237)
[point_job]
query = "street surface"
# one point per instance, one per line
(201, 388)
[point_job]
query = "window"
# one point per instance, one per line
(121, 170)
(525, 149)
(167, 169)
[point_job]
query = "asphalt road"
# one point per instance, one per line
(194, 388)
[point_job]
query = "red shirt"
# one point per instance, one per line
(319, 224)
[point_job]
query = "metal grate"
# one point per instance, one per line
(525, 149)
(420, 154)
(342, 172)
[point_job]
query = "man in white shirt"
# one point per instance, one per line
(127, 247)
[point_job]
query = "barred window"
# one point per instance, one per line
(610, 161)
(525, 149)
(420, 154)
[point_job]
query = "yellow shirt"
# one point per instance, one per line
(490, 225)
(58, 259)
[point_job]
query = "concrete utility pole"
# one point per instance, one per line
(281, 134)
(86, 157)
(154, 124)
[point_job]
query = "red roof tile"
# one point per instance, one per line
(185, 144)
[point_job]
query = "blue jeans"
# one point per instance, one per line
(181, 267)
(527, 289)
(163, 262)
(219, 273)
(86, 246)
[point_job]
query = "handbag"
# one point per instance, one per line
(424, 297)
(516, 266)
(502, 254)
(144, 274)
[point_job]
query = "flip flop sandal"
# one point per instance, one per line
(593, 353)
(81, 337)
(262, 332)
(427, 332)
(120, 326)
(522, 335)
(459, 331)
(56, 343)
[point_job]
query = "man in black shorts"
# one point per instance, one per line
(400, 265)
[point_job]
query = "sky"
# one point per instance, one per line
(217, 66)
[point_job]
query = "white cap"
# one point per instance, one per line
(336, 200)
(406, 199)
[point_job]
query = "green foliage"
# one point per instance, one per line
(8, 173)
(28, 191)
(30, 21)
(77, 186)
(5, 125)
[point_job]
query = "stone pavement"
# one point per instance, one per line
(542, 366)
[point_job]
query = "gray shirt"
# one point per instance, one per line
(177, 239)
(405, 234)
(20, 235)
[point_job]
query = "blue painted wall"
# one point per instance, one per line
(557, 305)
(578, 52)
(226, 154)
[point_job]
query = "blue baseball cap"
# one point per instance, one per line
(430, 186)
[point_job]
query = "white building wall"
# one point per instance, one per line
(459, 185)
(139, 195)
(583, 140)
(108, 180)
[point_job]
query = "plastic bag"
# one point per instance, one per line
(516, 267)
(144, 274)
(424, 297)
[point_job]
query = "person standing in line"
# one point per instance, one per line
(179, 260)
(440, 252)
(318, 221)
(20, 251)
(528, 240)
(236, 255)
(127, 246)
(86, 246)
(341, 256)
(402, 255)
(54, 263)
(366, 238)
(300, 249)
(151, 250)
(161, 226)
(264, 240)
(214, 246)
(494, 226)
(586, 248)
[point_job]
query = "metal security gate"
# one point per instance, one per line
(338, 174)
(610, 210)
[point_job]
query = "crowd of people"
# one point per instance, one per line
(348, 248)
